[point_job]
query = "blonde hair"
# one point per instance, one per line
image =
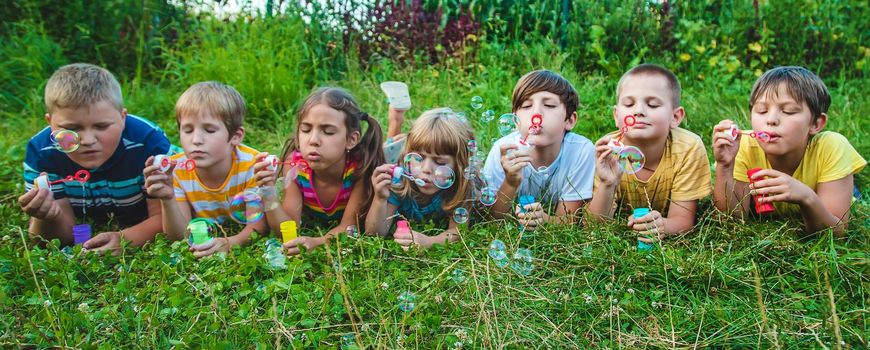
(653, 69)
(218, 99)
(440, 131)
(81, 84)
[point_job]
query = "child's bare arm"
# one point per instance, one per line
(729, 195)
(654, 226)
(827, 207)
(512, 160)
(608, 174)
(351, 211)
(836, 199)
(566, 212)
(376, 220)
(138, 234)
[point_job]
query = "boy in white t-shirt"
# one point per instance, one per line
(543, 158)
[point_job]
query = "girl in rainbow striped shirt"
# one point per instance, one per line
(332, 159)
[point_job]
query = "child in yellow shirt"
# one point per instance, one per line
(793, 164)
(676, 173)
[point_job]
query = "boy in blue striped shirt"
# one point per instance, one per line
(111, 145)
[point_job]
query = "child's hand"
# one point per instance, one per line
(104, 241)
(406, 240)
(157, 183)
(649, 225)
(262, 174)
(606, 167)
(776, 186)
(40, 204)
(531, 215)
(381, 179)
(291, 248)
(219, 244)
(513, 160)
(724, 149)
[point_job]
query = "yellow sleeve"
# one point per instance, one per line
(692, 179)
(747, 158)
(839, 158)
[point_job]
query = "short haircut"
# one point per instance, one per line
(79, 85)
(545, 80)
(802, 84)
(654, 69)
(217, 99)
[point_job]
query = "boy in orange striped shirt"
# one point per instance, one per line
(210, 116)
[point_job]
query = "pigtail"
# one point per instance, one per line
(369, 153)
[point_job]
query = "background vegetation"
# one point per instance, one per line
(726, 284)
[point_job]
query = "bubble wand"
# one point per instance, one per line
(734, 131)
(629, 157)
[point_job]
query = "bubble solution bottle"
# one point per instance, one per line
(641, 245)
(81, 233)
(403, 227)
(760, 208)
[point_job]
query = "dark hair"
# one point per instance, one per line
(545, 80)
(802, 84)
(654, 69)
(368, 153)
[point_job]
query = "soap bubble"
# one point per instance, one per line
(460, 215)
(630, 159)
(507, 124)
(413, 163)
(462, 116)
(522, 262)
(352, 231)
(407, 301)
(497, 251)
(348, 341)
(477, 102)
(458, 276)
(487, 116)
(471, 146)
(246, 207)
(443, 177)
(488, 196)
(66, 141)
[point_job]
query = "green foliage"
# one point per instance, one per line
(590, 288)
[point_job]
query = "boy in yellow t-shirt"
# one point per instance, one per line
(793, 164)
(676, 173)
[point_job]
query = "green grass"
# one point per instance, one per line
(726, 284)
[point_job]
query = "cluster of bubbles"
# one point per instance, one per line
(481, 191)
(521, 261)
(66, 141)
(407, 301)
(443, 177)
